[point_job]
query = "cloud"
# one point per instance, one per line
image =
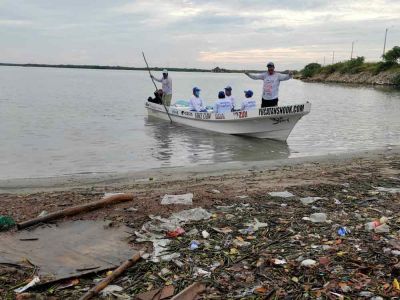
(17, 23)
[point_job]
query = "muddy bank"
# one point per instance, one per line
(267, 262)
(383, 78)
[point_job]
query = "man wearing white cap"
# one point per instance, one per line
(166, 87)
(271, 80)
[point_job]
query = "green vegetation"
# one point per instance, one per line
(310, 70)
(391, 62)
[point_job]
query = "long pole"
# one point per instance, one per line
(148, 69)
(384, 43)
(333, 57)
(352, 45)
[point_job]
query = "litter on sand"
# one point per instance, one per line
(284, 194)
(184, 199)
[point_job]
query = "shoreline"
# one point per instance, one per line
(84, 181)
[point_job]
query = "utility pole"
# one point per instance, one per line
(384, 43)
(324, 61)
(333, 57)
(352, 46)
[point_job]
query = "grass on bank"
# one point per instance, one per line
(390, 63)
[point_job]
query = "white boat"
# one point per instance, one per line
(266, 123)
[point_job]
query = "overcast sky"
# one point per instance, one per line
(205, 34)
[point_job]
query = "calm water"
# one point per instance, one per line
(68, 121)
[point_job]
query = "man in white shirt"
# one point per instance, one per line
(248, 103)
(166, 87)
(223, 104)
(228, 96)
(195, 102)
(271, 80)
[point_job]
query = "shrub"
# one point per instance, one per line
(383, 66)
(311, 69)
(353, 66)
(396, 80)
(392, 55)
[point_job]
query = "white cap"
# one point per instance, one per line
(165, 71)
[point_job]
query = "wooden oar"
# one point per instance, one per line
(148, 69)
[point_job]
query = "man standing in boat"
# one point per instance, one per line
(228, 96)
(166, 87)
(271, 80)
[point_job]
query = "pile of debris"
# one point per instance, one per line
(322, 240)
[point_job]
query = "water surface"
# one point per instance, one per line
(67, 121)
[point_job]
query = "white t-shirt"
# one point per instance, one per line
(166, 85)
(249, 104)
(222, 106)
(271, 83)
(232, 99)
(196, 103)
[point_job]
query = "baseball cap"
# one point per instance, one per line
(165, 71)
(270, 64)
(228, 88)
(196, 89)
(248, 93)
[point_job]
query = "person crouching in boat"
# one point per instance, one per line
(248, 103)
(271, 80)
(223, 104)
(195, 102)
(157, 97)
(166, 87)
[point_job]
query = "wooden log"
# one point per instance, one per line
(190, 292)
(71, 211)
(116, 273)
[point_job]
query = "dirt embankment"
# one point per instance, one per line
(383, 78)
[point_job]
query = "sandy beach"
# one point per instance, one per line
(347, 182)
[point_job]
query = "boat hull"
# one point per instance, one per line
(266, 123)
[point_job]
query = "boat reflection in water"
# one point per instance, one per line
(177, 145)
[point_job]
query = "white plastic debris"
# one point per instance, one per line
(242, 196)
(279, 261)
(185, 199)
(257, 225)
(309, 200)
(43, 214)
(216, 191)
(388, 190)
(205, 234)
(195, 214)
(32, 283)
(366, 294)
(336, 201)
(308, 263)
(284, 194)
(110, 290)
(382, 228)
(201, 272)
(318, 217)
(396, 252)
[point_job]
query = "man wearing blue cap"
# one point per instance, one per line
(228, 96)
(195, 102)
(248, 103)
(166, 82)
(223, 104)
(271, 80)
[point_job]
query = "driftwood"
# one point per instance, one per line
(116, 273)
(191, 292)
(112, 199)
